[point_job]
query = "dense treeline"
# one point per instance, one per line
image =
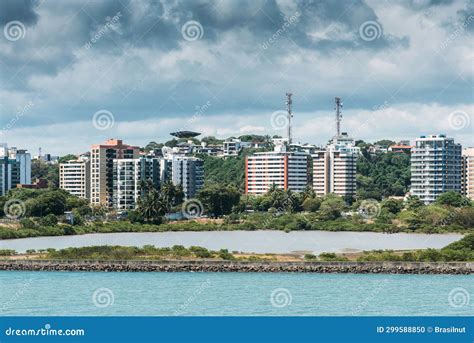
(382, 175)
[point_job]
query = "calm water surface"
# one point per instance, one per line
(212, 294)
(246, 241)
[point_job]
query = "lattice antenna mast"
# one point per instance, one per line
(289, 103)
(338, 107)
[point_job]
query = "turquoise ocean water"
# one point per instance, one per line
(226, 294)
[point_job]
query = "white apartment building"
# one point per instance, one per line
(334, 168)
(232, 147)
(129, 174)
(74, 177)
(185, 171)
(467, 184)
(435, 167)
(15, 168)
(286, 170)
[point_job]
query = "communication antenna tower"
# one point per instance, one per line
(289, 103)
(338, 107)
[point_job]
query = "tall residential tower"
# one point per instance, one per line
(102, 168)
(435, 167)
(467, 185)
(334, 168)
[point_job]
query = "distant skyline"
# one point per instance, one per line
(77, 73)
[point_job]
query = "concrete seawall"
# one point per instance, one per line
(239, 266)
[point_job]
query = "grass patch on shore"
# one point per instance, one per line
(462, 250)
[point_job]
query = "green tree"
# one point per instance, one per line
(27, 223)
(67, 158)
(413, 203)
(49, 201)
(171, 194)
(385, 143)
(382, 175)
(219, 199)
(331, 207)
(311, 204)
(392, 205)
(453, 199)
(153, 206)
(465, 217)
(49, 220)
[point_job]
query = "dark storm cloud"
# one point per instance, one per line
(58, 34)
(466, 17)
(417, 4)
(157, 25)
(21, 10)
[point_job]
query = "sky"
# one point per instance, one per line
(76, 73)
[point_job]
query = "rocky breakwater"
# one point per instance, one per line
(240, 266)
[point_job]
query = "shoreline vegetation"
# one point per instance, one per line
(54, 212)
(286, 222)
(459, 251)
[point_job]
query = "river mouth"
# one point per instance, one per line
(260, 242)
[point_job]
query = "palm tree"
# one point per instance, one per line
(151, 206)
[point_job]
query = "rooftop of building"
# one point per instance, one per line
(398, 146)
(440, 136)
(114, 143)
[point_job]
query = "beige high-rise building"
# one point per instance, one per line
(467, 177)
(286, 170)
(334, 169)
(74, 177)
(102, 168)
